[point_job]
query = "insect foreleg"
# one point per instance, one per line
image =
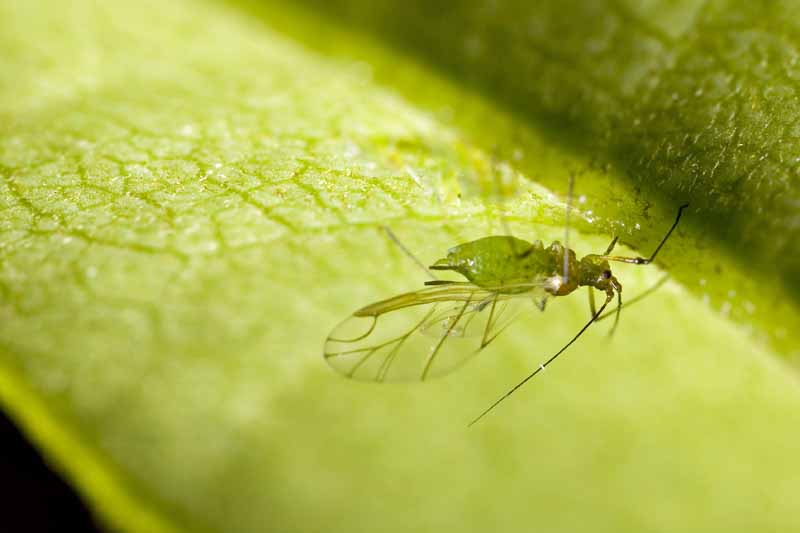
(616, 316)
(592, 308)
(638, 297)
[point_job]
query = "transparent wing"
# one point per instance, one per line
(424, 334)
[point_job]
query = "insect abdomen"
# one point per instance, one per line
(497, 260)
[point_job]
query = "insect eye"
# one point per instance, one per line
(606, 274)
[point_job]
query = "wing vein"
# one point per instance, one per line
(444, 337)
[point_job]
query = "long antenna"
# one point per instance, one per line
(544, 365)
(642, 260)
(671, 229)
(566, 229)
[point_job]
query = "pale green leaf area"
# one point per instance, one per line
(190, 199)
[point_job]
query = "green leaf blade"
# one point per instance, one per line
(192, 201)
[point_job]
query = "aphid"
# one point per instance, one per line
(430, 332)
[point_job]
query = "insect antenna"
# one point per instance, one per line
(543, 365)
(671, 229)
(643, 260)
(570, 187)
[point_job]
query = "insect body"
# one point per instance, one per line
(429, 332)
(508, 261)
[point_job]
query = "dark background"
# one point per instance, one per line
(32, 497)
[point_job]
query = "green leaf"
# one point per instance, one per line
(191, 198)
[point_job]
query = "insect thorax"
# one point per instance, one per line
(502, 260)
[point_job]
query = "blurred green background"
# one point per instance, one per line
(191, 197)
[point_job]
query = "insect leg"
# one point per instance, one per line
(643, 260)
(541, 367)
(486, 339)
(639, 297)
(592, 308)
(406, 251)
(494, 326)
(616, 315)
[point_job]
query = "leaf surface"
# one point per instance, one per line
(191, 197)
